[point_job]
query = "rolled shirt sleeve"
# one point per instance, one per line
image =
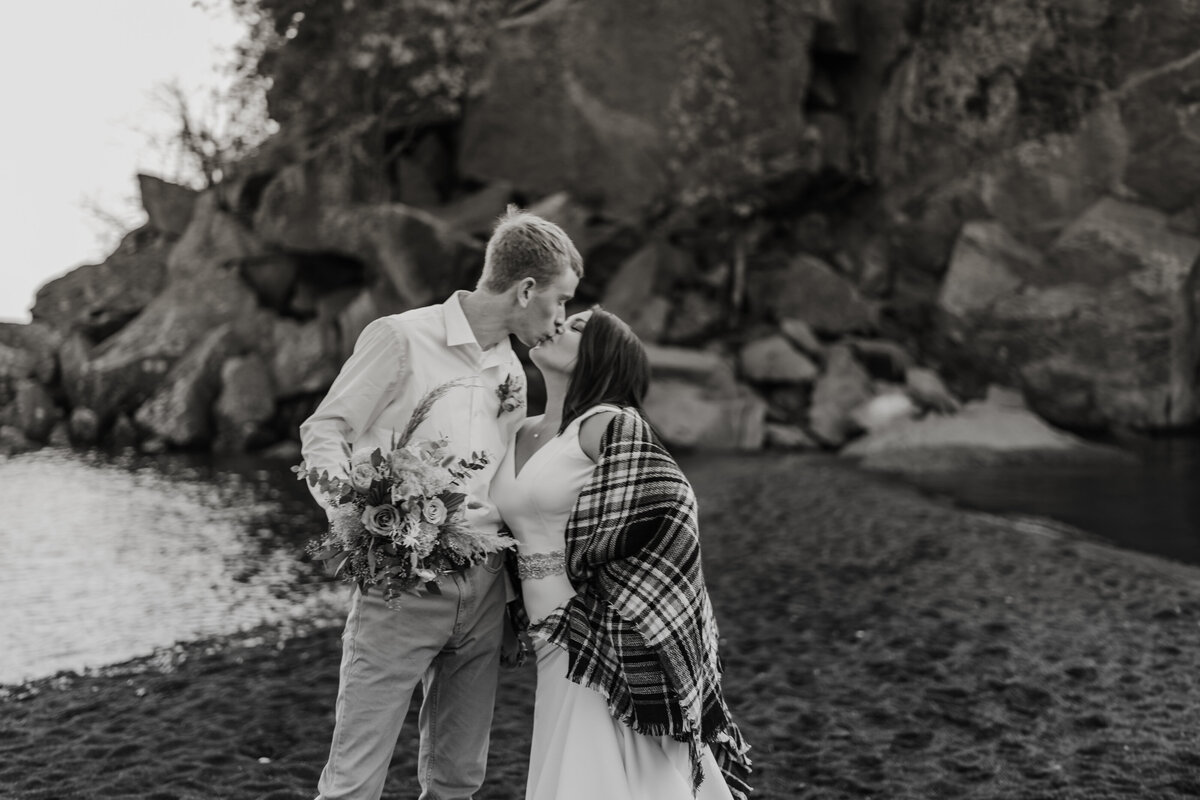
(367, 382)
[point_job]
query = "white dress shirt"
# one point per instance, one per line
(396, 360)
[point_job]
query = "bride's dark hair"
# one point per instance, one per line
(612, 368)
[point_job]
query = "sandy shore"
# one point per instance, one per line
(877, 643)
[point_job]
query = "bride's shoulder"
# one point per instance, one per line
(592, 428)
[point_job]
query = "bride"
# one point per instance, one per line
(629, 703)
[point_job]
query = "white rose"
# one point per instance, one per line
(434, 511)
(362, 475)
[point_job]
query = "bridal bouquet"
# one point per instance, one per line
(397, 521)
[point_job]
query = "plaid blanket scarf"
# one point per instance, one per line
(640, 629)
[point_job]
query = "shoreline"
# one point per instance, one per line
(877, 640)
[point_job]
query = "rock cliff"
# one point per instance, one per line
(809, 210)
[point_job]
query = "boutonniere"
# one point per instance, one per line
(511, 393)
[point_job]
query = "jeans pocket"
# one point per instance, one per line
(494, 562)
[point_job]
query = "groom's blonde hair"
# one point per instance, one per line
(526, 245)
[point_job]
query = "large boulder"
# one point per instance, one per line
(884, 359)
(1026, 113)
(1163, 130)
(15, 365)
(421, 258)
(351, 320)
(346, 170)
(808, 289)
(84, 426)
(802, 337)
(694, 316)
(842, 388)
(1036, 188)
(31, 410)
(988, 263)
(420, 176)
(702, 368)
(697, 82)
(245, 405)
(928, 390)
(98, 299)
(696, 401)
(214, 239)
(1023, 112)
(1100, 331)
(994, 431)
(891, 406)
(29, 350)
(634, 292)
(12, 441)
(564, 211)
(303, 357)
(126, 369)
(773, 359)
(311, 208)
(180, 411)
(476, 213)
(272, 277)
(686, 415)
(982, 75)
(168, 205)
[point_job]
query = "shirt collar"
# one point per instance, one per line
(458, 333)
(458, 330)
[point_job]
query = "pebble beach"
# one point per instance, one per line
(878, 642)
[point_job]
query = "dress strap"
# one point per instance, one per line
(596, 410)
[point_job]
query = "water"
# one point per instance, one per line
(106, 559)
(1151, 504)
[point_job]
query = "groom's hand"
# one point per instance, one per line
(516, 646)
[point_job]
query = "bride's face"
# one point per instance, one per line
(558, 354)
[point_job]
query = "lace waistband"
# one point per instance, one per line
(540, 565)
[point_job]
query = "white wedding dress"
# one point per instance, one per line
(579, 752)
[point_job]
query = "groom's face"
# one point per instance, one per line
(544, 308)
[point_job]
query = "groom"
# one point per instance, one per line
(450, 641)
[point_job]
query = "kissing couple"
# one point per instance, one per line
(608, 584)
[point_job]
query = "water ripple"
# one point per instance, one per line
(106, 559)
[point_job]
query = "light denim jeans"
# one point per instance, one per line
(450, 641)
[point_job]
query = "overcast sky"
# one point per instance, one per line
(80, 89)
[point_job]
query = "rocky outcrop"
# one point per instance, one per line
(994, 431)
(700, 93)
(843, 387)
(214, 240)
(333, 205)
(168, 205)
(1099, 328)
(246, 404)
(126, 369)
(29, 351)
(98, 299)
(805, 288)
(695, 400)
(829, 219)
(179, 412)
(304, 357)
(773, 359)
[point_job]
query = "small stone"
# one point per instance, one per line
(84, 426)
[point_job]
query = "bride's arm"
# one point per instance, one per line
(591, 430)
